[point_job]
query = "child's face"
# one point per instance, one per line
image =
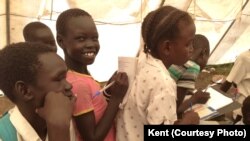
(204, 58)
(44, 35)
(51, 76)
(80, 42)
(181, 48)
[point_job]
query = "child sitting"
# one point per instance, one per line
(186, 75)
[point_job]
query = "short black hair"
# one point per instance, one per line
(61, 22)
(201, 41)
(30, 28)
(246, 105)
(162, 23)
(20, 62)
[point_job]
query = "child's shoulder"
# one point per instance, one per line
(4, 116)
(72, 75)
(7, 130)
(77, 78)
(191, 64)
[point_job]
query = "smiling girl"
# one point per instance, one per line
(78, 37)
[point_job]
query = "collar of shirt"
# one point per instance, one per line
(24, 129)
(149, 59)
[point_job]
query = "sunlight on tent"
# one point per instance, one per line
(225, 23)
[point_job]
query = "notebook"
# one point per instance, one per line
(216, 101)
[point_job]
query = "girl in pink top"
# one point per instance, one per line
(78, 37)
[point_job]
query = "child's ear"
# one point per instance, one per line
(59, 39)
(165, 47)
(23, 91)
(203, 54)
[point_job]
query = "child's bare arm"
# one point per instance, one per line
(199, 97)
(181, 93)
(225, 86)
(189, 117)
(86, 123)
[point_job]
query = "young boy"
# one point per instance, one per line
(33, 77)
(39, 32)
(240, 77)
(186, 75)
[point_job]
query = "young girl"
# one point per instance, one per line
(78, 37)
(168, 34)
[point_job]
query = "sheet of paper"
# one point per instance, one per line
(128, 65)
(217, 100)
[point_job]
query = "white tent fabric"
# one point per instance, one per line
(225, 23)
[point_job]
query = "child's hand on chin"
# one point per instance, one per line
(57, 109)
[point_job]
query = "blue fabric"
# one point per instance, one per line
(7, 130)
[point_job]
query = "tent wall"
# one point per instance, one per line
(20, 15)
(215, 19)
(3, 39)
(2, 7)
(235, 41)
(123, 44)
(224, 22)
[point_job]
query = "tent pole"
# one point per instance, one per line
(51, 9)
(162, 3)
(7, 22)
(227, 30)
